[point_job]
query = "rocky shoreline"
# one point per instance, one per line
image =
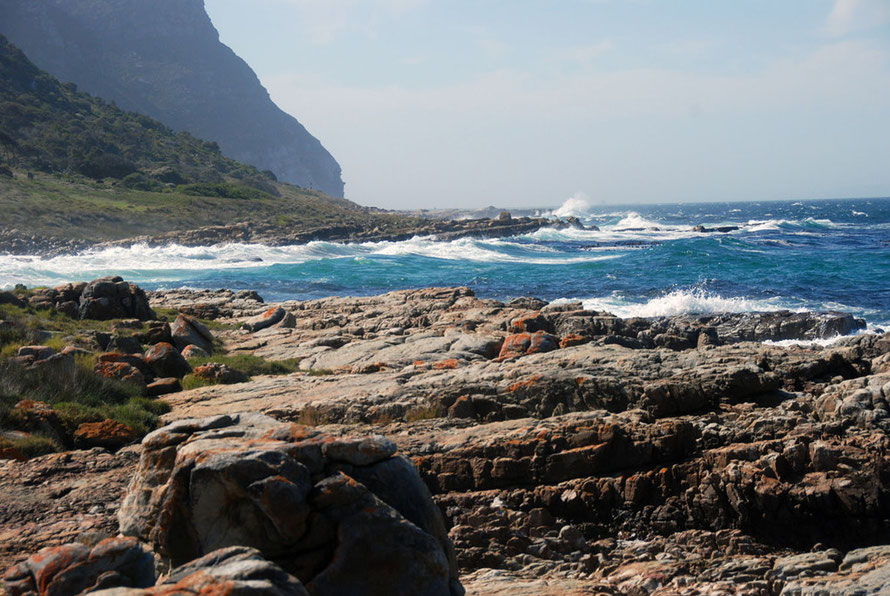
(17, 242)
(557, 451)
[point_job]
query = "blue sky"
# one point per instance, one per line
(455, 103)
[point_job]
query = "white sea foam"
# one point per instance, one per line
(170, 262)
(635, 221)
(578, 205)
(679, 302)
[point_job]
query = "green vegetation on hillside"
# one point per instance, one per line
(74, 167)
(51, 127)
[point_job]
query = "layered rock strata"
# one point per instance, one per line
(675, 455)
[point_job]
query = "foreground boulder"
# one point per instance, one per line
(102, 299)
(121, 567)
(344, 515)
(77, 569)
(187, 331)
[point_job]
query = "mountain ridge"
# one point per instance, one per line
(164, 59)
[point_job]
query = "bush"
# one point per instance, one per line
(54, 386)
(251, 365)
(139, 181)
(106, 165)
(221, 190)
(32, 446)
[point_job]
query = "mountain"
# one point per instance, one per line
(51, 127)
(76, 170)
(164, 59)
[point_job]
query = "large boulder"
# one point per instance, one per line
(113, 298)
(187, 331)
(165, 361)
(109, 434)
(344, 515)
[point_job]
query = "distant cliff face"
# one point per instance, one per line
(163, 58)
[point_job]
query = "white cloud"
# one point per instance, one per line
(327, 20)
(585, 54)
(843, 75)
(848, 16)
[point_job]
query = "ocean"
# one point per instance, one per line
(644, 260)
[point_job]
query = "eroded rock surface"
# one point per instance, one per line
(344, 515)
(570, 451)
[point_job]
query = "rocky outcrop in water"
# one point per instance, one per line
(164, 59)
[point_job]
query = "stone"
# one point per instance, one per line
(124, 344)
(10, 298)
(268, 318)
(36, 352)
(219, 373)
(59, 366)
(165, 361)
(76, 568)
(158, 331)
(109, 434)
(521, 344)
(192, 351)
(113, 298)
(120, 371)
(282, 489)
(232, 570)
(164, 386)
(189, 331)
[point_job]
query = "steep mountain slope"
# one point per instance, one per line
(75, 168)
(51, 127)
(164, 59)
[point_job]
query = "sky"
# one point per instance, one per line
(522, 103)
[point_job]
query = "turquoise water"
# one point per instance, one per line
(645, 260)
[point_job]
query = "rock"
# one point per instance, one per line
(232, 570)
(285, 490)
(59, 367)
(528, 303)
(113, 298)
(521, 344)
(76, 568)
(530, 323)
(124, 345)
(158, 331)
(120, 371)
(268, 318)
(192, 351)
(10, 298)
(215, 88)
(108, 434)
(163, 386)
(219, 373)
(188, 331)
(36, 352)
(165, 361)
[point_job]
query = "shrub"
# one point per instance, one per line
(32, 445)
(106, 165)
(139, 181)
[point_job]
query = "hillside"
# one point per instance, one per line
(73, 167)
(51, 127)
(164, 59)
